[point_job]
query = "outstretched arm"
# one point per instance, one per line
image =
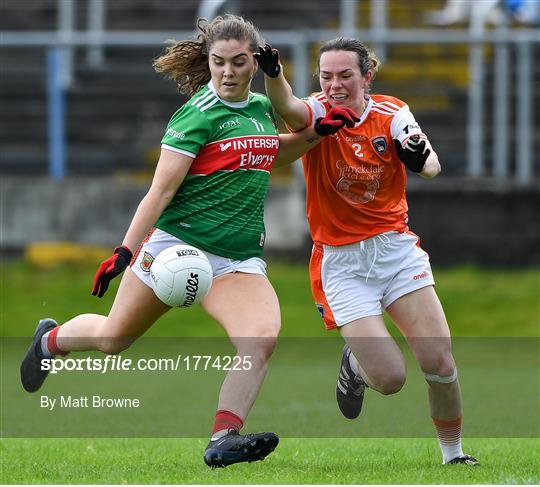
(170, 172)
(292, 146)
(291, 109)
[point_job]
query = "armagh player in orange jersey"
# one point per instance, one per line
(365, 259)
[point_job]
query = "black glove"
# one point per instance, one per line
(110, 268)
(414, 154)
(335, 120)
(268, 59)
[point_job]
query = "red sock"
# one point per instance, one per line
(449, 433)
(52, 345)
(226, 420)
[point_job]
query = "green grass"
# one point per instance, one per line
(295, 461)
(478, 303)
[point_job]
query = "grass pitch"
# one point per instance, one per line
(477, 303)
(295, 461)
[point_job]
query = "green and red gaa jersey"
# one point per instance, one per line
(220, 205)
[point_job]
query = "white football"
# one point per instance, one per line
(181, 275)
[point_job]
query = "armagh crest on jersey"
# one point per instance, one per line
(358, 170)
(220, 205)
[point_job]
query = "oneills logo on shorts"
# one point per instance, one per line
(379, 144)
(320, 308)
(146, 262)
(420, 276)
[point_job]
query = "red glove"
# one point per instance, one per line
(110, 268)
(335, 120)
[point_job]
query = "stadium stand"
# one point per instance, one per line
(116, 113)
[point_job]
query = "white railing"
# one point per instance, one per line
(299, 41)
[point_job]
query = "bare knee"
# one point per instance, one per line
(442, 365)
(267, 347)
(261, 346)
(389, 383)
(110, 338)
(392, 385)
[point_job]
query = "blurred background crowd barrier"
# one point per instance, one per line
(83, 113)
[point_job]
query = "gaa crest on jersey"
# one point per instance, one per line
(379, 144)
(146, 262)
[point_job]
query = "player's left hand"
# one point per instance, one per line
(414, 154)
(335, 120)
(110, 268)
(268, 59)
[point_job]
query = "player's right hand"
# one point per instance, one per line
(268, 59)
(335, 120)
(110, 268)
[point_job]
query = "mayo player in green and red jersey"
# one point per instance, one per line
(233, 152)
(208, 190)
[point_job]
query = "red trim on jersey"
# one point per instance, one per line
(246, 152)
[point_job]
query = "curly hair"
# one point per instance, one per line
(186, 62)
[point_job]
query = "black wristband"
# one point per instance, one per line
(415, 160)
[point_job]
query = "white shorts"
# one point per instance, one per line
(361, 279)
(157, 241)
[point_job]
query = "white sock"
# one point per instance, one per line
(449, 434)
(450, 452)
(44, 348)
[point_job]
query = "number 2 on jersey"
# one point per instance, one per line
(357, 150)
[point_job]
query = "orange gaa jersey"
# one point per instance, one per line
(355, 183)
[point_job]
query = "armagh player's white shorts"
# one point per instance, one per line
(157, 241)
(361, 279)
